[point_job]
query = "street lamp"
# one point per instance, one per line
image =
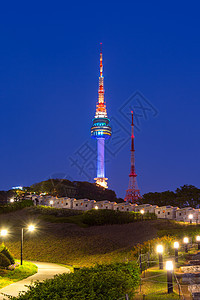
(96, 207)
(176, 246)
(30, 228)
(198, 241)
(142, 213)
(3, 233)
(51, 203)
(186, 241)
(160, 256)
(12, 200)
(190, 218)
(169, 268)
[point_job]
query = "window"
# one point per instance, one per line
(168, 213)
(66, 203)
(81, 203)
(158, 212)
(179, 214)
(117, 208)
(122, 207)
(127, 209)
(106, 207)
(76, 204)
(62, 201)
(86, 205)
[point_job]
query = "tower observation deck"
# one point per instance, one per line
(100, 129)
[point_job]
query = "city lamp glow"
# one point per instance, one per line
(176, 245)
(31, 227)
(96, 207)
(4, 232)
(198, 238)
(190, 216)
(159, 249)
(12, 200)
(142, 211)
(169, 265)
(185, 240)
(51, 202)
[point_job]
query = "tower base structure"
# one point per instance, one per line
(102, 181)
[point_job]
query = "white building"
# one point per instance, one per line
(83, 204)
(166, 212)
(124, 206)
(105, 204)
(182, 215)
(147, 208)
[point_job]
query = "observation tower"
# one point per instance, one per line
(133, 192)
(100, 129)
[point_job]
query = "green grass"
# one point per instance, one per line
(72, 219)
(155, 287)
(7, 276)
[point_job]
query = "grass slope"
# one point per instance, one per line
(7, 277)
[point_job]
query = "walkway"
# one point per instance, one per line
(45, 271)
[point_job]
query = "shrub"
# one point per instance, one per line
(105, 282)
(7, 253)
(107, 216)
(15, 206)
(4, 261)
(57, 212)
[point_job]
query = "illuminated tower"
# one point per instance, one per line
(133, 192)
(100, 129)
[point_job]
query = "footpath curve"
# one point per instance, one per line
(45, 271)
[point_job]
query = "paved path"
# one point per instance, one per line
(45, 271)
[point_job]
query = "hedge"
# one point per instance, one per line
(15, 206)
(4, 261)
(102, 282)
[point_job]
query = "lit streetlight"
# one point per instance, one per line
(159, 250)
(186, 241)
(12, 200)
(96, 207)
(176, 246)
(142, 213)
(51, 203)
(30, 228)
(198, 241)
(169, 268)
(190, 218)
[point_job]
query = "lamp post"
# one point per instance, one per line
(142, 213)
(169, 268)
(160, 256)
(190, 218)
(51, 203)
(30, 228)
(176, 246)
(198, 241)
(186, 241)
(3, 233)
(96, 207)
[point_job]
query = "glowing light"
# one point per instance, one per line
(142, 211)
(198, 238)
(12, 200)
(96, 207)
(176, 245)
(51, 202)
(169, 265)
(185, 240)
(190, 216)
(31, 227)
(4, 232)
(159, 249)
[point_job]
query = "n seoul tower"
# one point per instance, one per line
(100, 129)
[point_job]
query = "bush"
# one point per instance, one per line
(105, 282)
(15, 206)
(107, 216)
(7, 253)
(4, 261)
(57, 212)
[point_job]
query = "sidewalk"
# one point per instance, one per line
(45, 271)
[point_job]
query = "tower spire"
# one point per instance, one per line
(100, 129)
(101, 106)
(133, 192)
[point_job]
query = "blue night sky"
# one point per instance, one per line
(48, 89)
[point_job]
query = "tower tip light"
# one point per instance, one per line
(159, 249)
